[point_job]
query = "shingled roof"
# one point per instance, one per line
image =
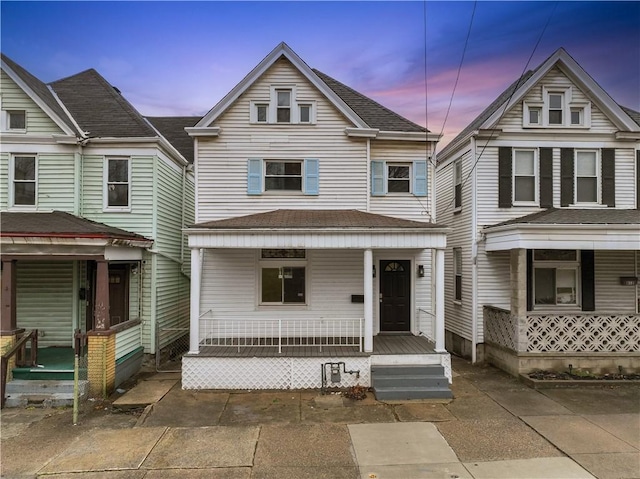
(40, 89)
(371, 112)
(635, 116)
(172, 128)
(305, 219)
(99, 108)
(60, 224)
(571, 216)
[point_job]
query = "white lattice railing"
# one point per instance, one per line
(281, 333)
(500, 327)
(583, 333)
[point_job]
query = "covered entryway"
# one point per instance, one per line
(395, 296)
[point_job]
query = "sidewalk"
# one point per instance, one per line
(495, 427)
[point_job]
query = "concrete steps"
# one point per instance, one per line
(410, 382)
(43, 393)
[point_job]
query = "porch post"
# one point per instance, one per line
(8, 323)
(102, 316)
(194, 323)
(368, 300)
(518, 276)
(439, 299)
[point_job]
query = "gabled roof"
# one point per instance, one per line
(571, 216)
(60, 224)
(99, 108)
(624, 118)
(363, 112)
(39, 93)
(635, 116)
(315, 219)
(172, 128)
(373, 114)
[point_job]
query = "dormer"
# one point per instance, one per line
(558, 109)
(284, 107)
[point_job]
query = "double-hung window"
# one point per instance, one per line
(283, 106)
(556, 277)
(398, 178)
(457, 184)
(118, 184)
(555, 109)
(283, 276)
(524, 176)
(587, 176)
(24, 174)
(283, 175)
(457, 272)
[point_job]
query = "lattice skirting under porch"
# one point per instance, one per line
(268, 373)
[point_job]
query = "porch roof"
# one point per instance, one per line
(317, 229)
(21, 231)
(568, 228)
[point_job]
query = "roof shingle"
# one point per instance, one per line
(571, 216)
(172, 128)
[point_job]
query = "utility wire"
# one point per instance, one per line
(506, 104)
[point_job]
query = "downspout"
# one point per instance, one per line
(474, 254)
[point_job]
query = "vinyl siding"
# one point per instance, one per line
(4, 180)
(173, 300)
(14, 98)
(611, 296)
(56, 182)
(127, 341)
(44, 300)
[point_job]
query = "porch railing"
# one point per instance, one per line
(19, 351)
(500, 327)
(279, 333)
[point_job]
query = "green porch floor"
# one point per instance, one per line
(53, 363)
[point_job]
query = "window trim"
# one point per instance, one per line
(536, 178)
(281, 160)
(526, 114)
(409, 179)
(457, 273)
(7, 121)
(105, 185)
(12, 181)
(263, 263)
(254, 105)
(598, 176)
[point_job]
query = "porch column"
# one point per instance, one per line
(102, 316)
(518, 276)
(8, 323)
(439, 299)
(194, 323)
(368, 300)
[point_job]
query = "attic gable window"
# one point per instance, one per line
(17, 120)
(558, 109)
(283, 108)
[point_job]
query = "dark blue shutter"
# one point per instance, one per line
(378, 178)
(566, 176)
(546, 178)
(254, 176)
(420, 178)
(311, 176)
(608, 176)
(505, 180)
(587, 268)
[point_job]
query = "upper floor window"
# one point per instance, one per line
(525, 176)
(24, 177)
(558, 109)
(305, 113)
(587, 176)
(283, 109)
(555, 108)
(287, 176)
(118, 184)
(457, 271)
(457, 184)
(261, 111)
(392, 177)
(17, 120)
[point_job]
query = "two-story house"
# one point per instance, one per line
(541, 192)
(93, 200)
(315, 258)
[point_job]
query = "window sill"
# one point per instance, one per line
(19, 208)
(116, 210)
(457, 302)
(457, 210)
(587, 205)
(527, 204)
(280, 193)
(282, 306)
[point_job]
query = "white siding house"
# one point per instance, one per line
(547, 226)
(313, 247)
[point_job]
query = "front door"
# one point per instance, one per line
(395, 296)
(118, 293)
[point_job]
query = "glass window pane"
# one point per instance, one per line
(555, 255)
(525, 188)
(524, 163)
(17, 120)
(293, 285)
(586, 163)
(275, 168)
(555, 117)
(398, 171)
(398, 186)
(271, 285)
(25, 168)
(262, 113)
(118, 195)
(534, 116)
(286, 183)
(457, 173)
(555, 101)
(284, 98)
(576, 117)
(566, 286)
(545, 286)
(305, 114)
(24, 193)
(293, 169)
(284, 115)
(587, 190)
(118, 171)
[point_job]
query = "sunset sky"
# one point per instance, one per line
(181, 58)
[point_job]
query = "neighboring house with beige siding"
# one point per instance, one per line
(541, 193)
(93, 201)
(314, 250)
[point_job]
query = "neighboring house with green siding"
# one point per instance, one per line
(93, 200)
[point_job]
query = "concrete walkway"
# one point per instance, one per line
(495, 427)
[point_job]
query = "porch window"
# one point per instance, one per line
(24, 180)
(283, 276)
(117, 183)
(556, 274)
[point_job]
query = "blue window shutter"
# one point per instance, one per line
(420, 178)
(254, 176)
(311, 176)
(378, 182)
